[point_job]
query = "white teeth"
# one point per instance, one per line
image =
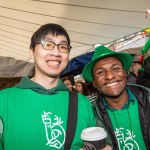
(112, 84)
(53, 62)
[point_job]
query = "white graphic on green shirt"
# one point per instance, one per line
(126, 139)
(55, 133)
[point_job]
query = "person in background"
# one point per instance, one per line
(123, 110)
(144, 73)
(136, 65)
(93, 92)
(81, 88)
(34, 113)
(67, 81)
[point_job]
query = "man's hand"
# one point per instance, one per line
(107, 147)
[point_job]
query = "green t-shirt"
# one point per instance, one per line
(127, 127)
(35, 118)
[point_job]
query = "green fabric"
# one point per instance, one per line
(146, 47)
(35, 118)
(127, 127)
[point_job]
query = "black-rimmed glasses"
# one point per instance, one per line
(49, 45)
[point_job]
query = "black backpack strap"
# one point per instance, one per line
(72, 119)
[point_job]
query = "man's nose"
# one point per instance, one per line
(109, 74)
(55, 50)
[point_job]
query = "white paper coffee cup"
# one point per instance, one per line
(94, 138)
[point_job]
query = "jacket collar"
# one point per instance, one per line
(141, 93)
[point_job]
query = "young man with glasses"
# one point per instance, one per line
(34, 112)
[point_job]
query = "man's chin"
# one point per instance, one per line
(112, 96)
(54, 75)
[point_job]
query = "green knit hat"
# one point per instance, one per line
(102, 52)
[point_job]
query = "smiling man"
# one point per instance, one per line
(35, 112)
(122, 109)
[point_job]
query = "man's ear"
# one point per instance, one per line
(126, 73)
(94, 84)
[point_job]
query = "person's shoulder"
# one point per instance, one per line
(81, 96)
(7, 90)
(130, 85)
(138, 88)
(83, 99)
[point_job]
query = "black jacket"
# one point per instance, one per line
(143, 96)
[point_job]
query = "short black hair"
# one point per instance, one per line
(46, 29)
